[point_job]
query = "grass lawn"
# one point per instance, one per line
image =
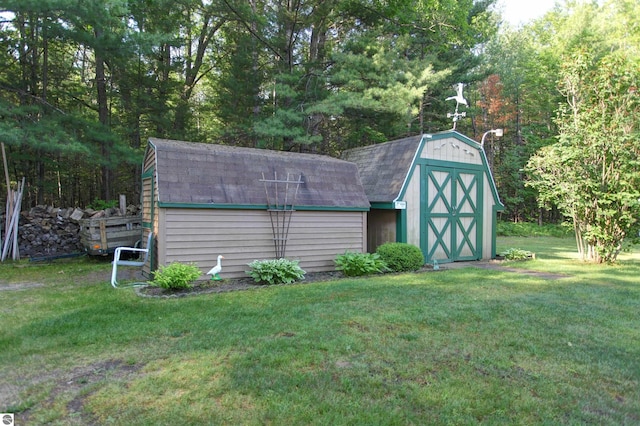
(457, 346)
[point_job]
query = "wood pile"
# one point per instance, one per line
(46, 231)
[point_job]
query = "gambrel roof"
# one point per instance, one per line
(191, 173)
(384, 167)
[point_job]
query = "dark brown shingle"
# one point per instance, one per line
(200, 173)
(384, 167)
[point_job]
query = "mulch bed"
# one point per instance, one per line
(247, 283)
(227, 285)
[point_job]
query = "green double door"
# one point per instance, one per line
(451, 214)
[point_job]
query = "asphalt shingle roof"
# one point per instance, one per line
(203, 173)
(384, 167)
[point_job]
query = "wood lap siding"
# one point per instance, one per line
(451, 149)
(414, 218)
(149, 160)
(148, 199)
(241, 236)
(487, 225)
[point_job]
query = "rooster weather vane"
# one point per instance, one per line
(459, 98)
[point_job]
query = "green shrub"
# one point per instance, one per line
(516, 254)
(98, 204)
(528, 229)
(176, 276)
(357, 264)
(401, 257)
(275, 271)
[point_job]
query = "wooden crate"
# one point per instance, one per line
(102, 236)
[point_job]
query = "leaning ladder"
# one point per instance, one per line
(281, 197)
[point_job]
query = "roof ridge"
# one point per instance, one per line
(158, 142)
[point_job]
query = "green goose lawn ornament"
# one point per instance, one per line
(216, 270)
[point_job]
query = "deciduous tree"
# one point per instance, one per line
(592, 173)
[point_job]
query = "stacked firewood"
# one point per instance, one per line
(46, 231)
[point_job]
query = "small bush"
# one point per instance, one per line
(176, 276)
(516, 254)
(98, 204)
(357, 264)
(401, 257)
(275, 271)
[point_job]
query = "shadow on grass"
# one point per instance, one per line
(457, 346)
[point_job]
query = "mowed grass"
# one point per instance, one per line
(457, 346)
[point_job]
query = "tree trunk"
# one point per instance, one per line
(103, 117)
(194, 68)
(164, 63)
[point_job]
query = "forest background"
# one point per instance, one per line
(83, 84)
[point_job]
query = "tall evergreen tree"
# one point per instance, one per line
(84, 83)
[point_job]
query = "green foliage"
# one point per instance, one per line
(298, 75)
(176, 276)
(516, 254)
(275, 271)
(527, 81)
(98, 204)
(578, 57)
(401, 257)
(389, 102)
(591, 172)
(357, 264)
(528, 229)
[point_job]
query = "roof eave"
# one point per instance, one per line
(213, 206)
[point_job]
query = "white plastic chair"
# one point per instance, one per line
(144, 253)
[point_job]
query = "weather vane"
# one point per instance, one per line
(459, 98)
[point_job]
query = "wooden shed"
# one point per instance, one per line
(435, 191)
(202, 200)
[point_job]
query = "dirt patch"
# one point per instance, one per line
(83, 380)
(537, 274)
(19, 286)
(498, 266)
(80, 383)
(89, 278)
